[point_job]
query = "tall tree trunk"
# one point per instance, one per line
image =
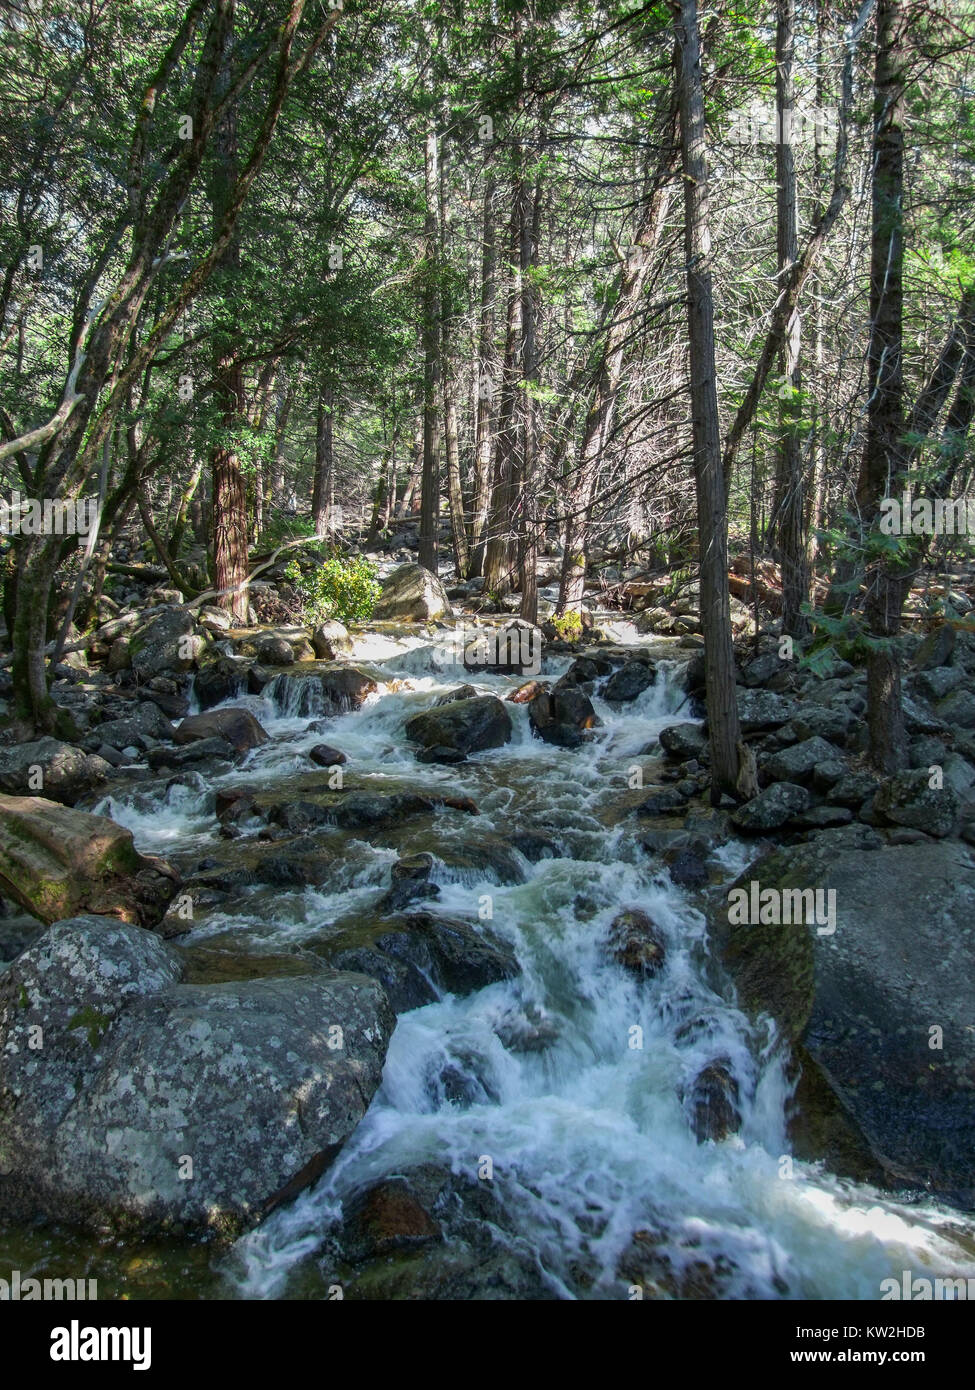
(229, 506)
(430, 483)
(790, 509)
(728, 762)
(882, 468)
(448, 318)
(484, 385)
(322, 482)
(498, 560)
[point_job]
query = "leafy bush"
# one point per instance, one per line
(342, 587)
(568, 628)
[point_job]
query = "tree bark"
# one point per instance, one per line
(432, 346)
(324, 443)
(484, 384)
(724, 733)
(882, 468)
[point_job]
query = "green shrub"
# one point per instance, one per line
(342, 587)
(568, 628)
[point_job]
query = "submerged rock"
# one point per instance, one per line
(420, 955)
(335, 690)
(713, 1101)
(636, 943)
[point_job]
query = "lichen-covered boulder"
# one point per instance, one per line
(131, 1101)
(166, 643)
(48, 768)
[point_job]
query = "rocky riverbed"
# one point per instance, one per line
(334, 963)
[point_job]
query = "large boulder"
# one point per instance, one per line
(631, 680)
(165, 643)
(238, 726)
(564, 717)
(880, 1007)
(330, 640)
(764, 709)
(683, 741)
(792, 764)
(157, 1105)
(775, 806)
(936, 649)
(461, 727)
(908, 799)
(273, 650)
(137, 728)
(412, 594)
(57, 862)
(49, 768)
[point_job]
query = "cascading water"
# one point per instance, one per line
(588, 1134)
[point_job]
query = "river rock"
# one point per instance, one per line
(386, 1218)
(141, 1076)
(460, 692)
(204, 750)
(237, 726)
(462, 726)
(773, 807)
(56, 862)
(412, 594)
(275, 651)
(907, 798)
(51, 769)
(629, 681)
(165, 642)
(326, 756)
(564, 717)
(863, 1000)
(335, 690)
(137, 728)
(409, 880)
(330, 640)
(792, 764)
(220, 678)
(713, 1101)
(419, 955)
(683, 741)
(636, 943)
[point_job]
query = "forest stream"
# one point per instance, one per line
(563, 1091)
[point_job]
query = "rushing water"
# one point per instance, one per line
(589, 1137)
